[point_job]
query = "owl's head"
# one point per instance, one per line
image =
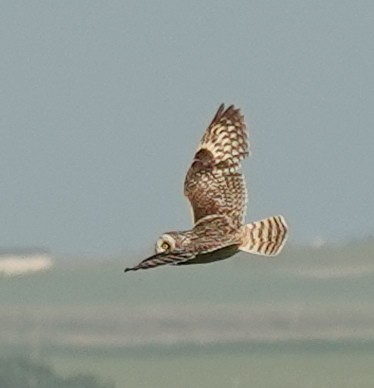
(171, 248)
(165, 244)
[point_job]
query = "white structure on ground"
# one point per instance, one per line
(23, 262)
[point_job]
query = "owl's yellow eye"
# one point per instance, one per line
(165, 246)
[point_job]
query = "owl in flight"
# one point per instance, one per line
(217, 193)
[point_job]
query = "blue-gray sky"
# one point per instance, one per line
(103, 103)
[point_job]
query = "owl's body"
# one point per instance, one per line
(218, 196)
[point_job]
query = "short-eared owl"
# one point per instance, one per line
(218, 196)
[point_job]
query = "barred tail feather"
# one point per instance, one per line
(265, 237)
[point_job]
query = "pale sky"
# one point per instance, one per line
(103, 104)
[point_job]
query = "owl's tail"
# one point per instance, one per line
(265, 237)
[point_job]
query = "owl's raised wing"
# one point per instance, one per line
(213, 183)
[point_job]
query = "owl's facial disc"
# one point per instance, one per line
(165, 243)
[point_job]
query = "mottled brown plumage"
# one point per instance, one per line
(213, 184)
(217, 193)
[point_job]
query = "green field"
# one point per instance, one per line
(282, 368)
(304, 319)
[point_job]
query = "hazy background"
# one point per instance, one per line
(103, 104)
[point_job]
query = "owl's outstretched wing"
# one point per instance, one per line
(213, 183)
